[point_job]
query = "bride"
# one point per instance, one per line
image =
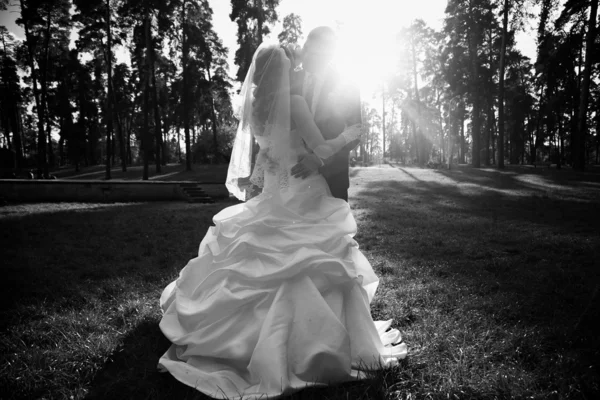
(278, 297)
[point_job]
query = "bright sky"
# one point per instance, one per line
(367, 34)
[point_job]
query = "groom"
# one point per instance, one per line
(334, 105)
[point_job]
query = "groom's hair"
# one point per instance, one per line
(324, 35)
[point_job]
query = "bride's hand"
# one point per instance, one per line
(244, 182)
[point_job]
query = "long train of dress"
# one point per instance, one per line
(277, 300)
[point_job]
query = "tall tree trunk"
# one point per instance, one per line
(501, 85)
(50, 150)
(490, 112)
(213, 115)
(538, 139)
(597, 147)
(392, 149)
(363, 118)
(443, 138)
(416, 142)
(42, 166)
(462, 135)
(597, 135)
(113, 145)
(493, 136)
(179, 145)
(417, 129)
(129, 127)
(109, 110)
(61, 151)
(120, 134)
(6, 125)
(157, 125)
(507, 144)
(559, 140)
(11, 122)
(122, 148)
(452, 138)
(488, 133)
(579, 142)
(165, 141)
(185, 105)
(383, 116)
(146, 133)
(475, 116)
(17, 138)
(48, 138)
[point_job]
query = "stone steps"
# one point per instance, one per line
(195, 194)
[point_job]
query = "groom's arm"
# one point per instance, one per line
(353, 116)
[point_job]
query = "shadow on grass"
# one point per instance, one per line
(561, 201)
(516, 254)
(131, 372)
(488, 273)
(64, 258)
(79, 280)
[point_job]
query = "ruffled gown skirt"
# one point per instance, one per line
(277, 300)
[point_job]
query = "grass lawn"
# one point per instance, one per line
(486, 274)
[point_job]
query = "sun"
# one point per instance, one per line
(365, 59)
(367, 47)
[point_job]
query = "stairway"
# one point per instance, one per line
(195, 194)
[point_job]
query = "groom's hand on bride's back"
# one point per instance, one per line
(307, 165)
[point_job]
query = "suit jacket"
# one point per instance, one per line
(338, 106)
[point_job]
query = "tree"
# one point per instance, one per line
(95, 18)
(505, 11)
(151, 22)
(580, 134)
(123, 106)
(109, 96)
(417, 47)
(146, 78)
(10, 95)
(252, 18)
(291, 33)
(29, 14)
(218, 81)
(464, 25)
(455, 73)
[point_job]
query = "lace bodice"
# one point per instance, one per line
(270, 174)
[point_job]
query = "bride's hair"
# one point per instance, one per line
(269, 67)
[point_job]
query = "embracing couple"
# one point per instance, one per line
(279, 296)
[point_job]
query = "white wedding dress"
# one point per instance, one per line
(277, 299)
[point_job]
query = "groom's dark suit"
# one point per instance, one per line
(331, 117)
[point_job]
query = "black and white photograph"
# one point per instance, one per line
(299, 199)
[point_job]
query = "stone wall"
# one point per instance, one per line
(24, 190)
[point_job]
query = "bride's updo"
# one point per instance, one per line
(270, 66)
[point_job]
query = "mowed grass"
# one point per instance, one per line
(486, 273)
